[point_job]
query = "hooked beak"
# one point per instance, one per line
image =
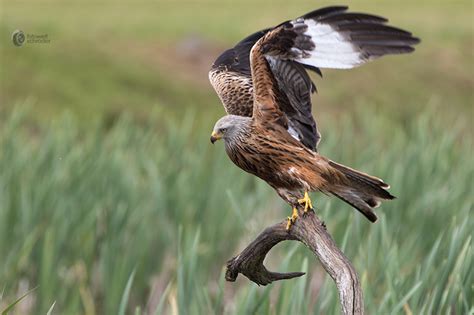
(215, 136)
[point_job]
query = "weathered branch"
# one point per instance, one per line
(309, 230)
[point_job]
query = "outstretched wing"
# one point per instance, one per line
(328, 37)
(334, 38)
(230, 76)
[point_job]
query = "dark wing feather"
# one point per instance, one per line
(240, 62)
(342, 40)
(325, 12)
(296, 86)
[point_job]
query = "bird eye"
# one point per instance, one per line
(223, 130)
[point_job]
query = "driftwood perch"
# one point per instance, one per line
(309, 230)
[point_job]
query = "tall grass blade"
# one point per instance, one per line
(126, 294)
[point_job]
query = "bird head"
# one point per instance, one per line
(229, 127)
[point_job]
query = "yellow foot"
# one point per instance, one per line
(306, 201)
(292, 219)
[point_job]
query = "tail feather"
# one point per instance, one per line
(365, 178)
(355, 201)
(362, 191)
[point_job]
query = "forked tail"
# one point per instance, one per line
(362, 191)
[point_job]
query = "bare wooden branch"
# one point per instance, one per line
(309, 230)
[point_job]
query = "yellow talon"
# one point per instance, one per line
(288, 224)
(292, 219)
(294, 215)
(306, 201)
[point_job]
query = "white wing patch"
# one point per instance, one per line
(293, 133)
(332, 48)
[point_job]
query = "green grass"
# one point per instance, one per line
(82, 212)
(112, 199)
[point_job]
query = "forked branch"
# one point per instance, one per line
(309, 230)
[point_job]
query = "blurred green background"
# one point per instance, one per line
(113, 201)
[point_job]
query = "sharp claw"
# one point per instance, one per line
(294, 215)
(292, 219)
(306, 201)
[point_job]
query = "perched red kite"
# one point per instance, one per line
(263, 84)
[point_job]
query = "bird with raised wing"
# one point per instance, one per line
(270, 131)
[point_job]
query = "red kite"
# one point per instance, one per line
(263, 84)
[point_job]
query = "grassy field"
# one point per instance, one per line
(113, 201)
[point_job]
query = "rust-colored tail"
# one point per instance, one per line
(362, 191)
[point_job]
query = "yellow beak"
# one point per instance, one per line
(215, 136)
